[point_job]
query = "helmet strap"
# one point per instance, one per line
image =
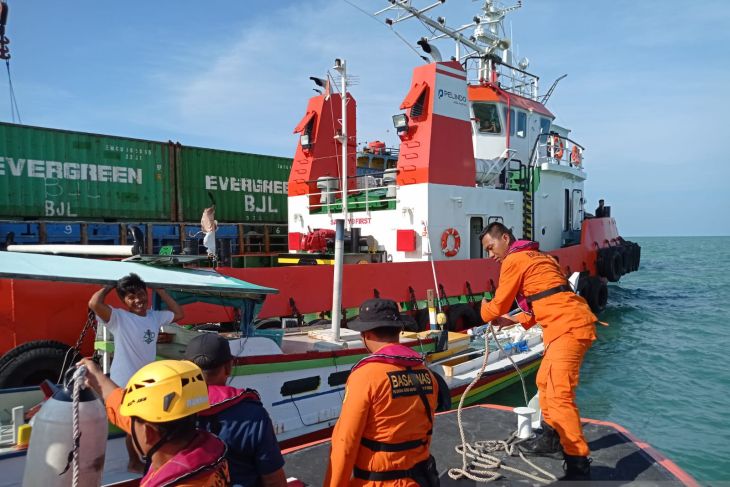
(147, 457)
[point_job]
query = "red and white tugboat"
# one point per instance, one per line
(477, 145)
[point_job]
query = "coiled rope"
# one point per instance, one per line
(483, 466)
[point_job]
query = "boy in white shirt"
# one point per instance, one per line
(135, 331)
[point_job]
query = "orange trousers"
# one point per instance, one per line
(557, 380)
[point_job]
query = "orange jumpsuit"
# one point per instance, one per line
(380, 404)
(568, 331)
(215, 474)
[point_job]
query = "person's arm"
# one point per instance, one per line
(111, 394)
(269, 461)
(97, 304)
(509, 284)
(274, 479)
(172, 305)
(95, 379)
(348, 430)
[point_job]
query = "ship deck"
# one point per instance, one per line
(618, 457)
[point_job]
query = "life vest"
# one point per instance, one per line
(223, 397)
(206, 453)
(402, 356)
(525, 302)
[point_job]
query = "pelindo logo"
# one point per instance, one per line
(453, 96)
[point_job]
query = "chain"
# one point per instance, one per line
(76, 349)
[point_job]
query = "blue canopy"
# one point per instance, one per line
(195, 284)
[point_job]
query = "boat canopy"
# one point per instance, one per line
(185, 285)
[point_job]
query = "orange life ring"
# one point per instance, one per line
(558, 147)
(576, 157)
(450, 251)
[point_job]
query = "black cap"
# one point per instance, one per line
(377, 313)
(208, 351)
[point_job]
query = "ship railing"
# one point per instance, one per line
(557, 149)
(372, 191)
(513, 80)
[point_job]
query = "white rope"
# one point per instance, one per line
(79, 382)
(483, 466)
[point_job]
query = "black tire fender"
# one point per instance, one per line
(31, 363)
(461, 317)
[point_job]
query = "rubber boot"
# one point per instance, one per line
(577, 468)
(546, 444)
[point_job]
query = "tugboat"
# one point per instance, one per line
(478, 145)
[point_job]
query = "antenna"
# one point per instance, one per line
(549, 93)
(488, 43)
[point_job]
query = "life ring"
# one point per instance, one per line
(450, 251)
(576, 157)
(557, 147)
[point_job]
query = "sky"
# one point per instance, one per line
(646, 91)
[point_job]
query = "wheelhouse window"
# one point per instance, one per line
(487, 118)
(521, 124)
(544, 125)
(509, 119)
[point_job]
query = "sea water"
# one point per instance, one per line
(662, 366)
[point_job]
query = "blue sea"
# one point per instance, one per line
(661, 368)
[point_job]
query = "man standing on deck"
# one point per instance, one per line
(384, 430)
(237, 417)
(544, 295)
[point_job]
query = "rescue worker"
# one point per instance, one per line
(158, 409)
(383, 435)
(544, 296)
(237, 417)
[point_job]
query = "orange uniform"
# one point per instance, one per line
(206, 451)
(568, 331)
(382, 411)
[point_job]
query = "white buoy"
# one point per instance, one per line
(524, 422)
(52, 439)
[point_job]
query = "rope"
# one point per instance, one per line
(79, 383)
(483, 466)
(14, 110)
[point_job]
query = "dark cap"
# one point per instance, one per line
(377, 313)
(208, 351)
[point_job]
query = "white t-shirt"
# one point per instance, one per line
(135, 340)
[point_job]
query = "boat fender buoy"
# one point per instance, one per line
(52, 439)
(450, 246)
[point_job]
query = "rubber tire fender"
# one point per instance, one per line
(602, 296)
(32, 362)
(461, 317)
(614, 266)
(592, 294)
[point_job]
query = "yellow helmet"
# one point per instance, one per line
(164, 391)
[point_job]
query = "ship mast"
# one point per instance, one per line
(487, 43)
(341, 68)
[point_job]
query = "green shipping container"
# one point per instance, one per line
(245, 187)
(48, 173)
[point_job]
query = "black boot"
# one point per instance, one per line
(545, 444)
(577, 468)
